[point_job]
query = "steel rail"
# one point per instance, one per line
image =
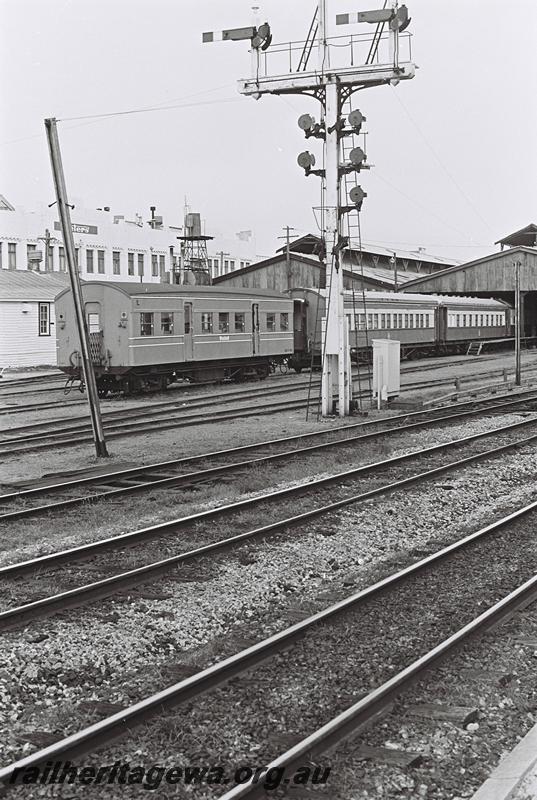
(115, 432)
(45, 440)
(379, 701)
(524, 396)
(105, 587)
(291, 491)
(156, 409)
(102, 732)
(212, 472)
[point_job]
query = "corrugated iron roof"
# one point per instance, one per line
(18, 284)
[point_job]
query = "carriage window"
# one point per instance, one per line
(399, 320)
(369, 321)
(146, 324)
(166, 322)
(406, 320)
(388, 320)
(271, 322)
(376, 321)
(458, 320)
(284, 321)
(239, 323)
(464, 320)
(223, 322)
(94, 325)
(481, 320)
(361, 322)
(411, 320)
(207, 322)
(383, 320)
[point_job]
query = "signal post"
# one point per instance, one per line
(332, 85)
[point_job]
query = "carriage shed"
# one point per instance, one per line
(491, 276)
(300, 272)
(27, 320)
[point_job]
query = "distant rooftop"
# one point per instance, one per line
(525, 237)
(18, 284)
(310, 245)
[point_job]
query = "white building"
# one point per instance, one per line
(108, 246)
(27, 318)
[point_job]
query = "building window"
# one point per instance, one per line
(232, 265)
(284, 321)
(100, 262)
(44, 319)
(51, 257)
(146, 324)
(12, 255)
(131, 264)
(154, 265)
(116, 262)
(162, 264)
(271, 322)
(61, 259)
(140, 264)
(239, 323)
(206, 322)
(89, 260)
(166, 322)
(242, 264)
(76, 258)
(0, 255)
(223, 322)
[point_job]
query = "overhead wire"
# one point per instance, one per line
(441, 164)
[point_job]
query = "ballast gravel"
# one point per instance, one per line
(121, 653)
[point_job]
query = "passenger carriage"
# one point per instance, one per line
(424, 324)
(143, 336)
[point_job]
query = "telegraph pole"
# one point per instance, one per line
(287, 237)
(332, 86)
(68, 240)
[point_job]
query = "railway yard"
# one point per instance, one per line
(246, 583)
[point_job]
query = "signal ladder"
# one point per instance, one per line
(352, 230)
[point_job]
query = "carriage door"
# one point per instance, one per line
(189, 346)
(255, 329)
(95, 331)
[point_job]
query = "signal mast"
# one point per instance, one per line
(332, 82)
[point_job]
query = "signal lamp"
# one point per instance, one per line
(306, 122)
(356, 118)
(357, 156)
(356, 196)
(263, 37)
(400, 20)
(306, 160)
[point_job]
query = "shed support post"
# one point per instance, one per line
(518, 322)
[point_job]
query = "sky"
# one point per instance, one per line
(454, 153)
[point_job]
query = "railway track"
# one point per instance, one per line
(45, 435)
(215, 465)
(204, 533)
(361, 631)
